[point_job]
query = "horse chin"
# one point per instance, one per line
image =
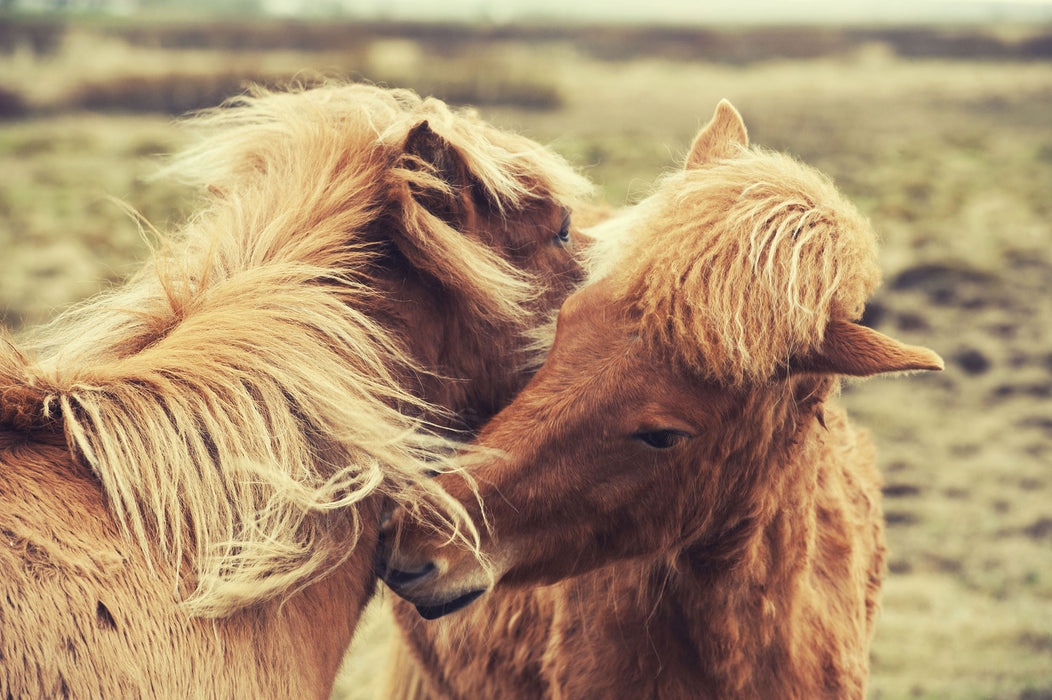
(433, 612)
(417, 588)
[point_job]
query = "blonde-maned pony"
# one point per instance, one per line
(216, 438)
(679, 508)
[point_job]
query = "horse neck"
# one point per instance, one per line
(319, 620)
(746, 618)
(763, 614)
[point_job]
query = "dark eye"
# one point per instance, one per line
(661, 439)
(563, 236)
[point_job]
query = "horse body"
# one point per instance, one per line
(678, 506)
(192, 467)
(84, 615)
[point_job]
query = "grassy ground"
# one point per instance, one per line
(952, 161)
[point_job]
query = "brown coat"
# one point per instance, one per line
(677, 506)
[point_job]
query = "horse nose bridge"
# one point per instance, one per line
(398, 564)
(406, 545)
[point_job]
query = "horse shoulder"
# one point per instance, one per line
(60, 555)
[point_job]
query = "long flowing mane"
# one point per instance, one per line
(236, 395)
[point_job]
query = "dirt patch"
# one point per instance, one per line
(1041, 529)
(945, 285)
(901, 490)
(898, 518)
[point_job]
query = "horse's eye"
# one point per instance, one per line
(661, 439)
(563, 236)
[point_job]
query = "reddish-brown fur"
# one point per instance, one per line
(192, 469)
(699, 515)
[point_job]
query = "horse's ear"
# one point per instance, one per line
(425, 144)
(447, 165)
(722, 137)
(857, 351)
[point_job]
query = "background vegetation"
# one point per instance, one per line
(943, 137)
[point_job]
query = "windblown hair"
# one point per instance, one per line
(678, 506)
(745, 261)
(237, 395)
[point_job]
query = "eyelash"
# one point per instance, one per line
(661, 439)
(563, 236)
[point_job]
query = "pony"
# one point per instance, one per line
(675, 506)
(193, 465)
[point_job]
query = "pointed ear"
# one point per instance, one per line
(425, 144)
(438, 154)
(856, 351)
(722, 137)
(452, 198)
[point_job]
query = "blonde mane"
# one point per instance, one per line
(234, 398)
(745, 261)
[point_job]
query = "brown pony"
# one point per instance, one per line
(678, 468)
(192, 466)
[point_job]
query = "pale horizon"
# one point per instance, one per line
(679, 11)
(665, 12)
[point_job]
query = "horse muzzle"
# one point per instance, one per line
(435, 585)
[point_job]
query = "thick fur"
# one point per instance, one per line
(779, 254)
(681, 510)
(358, 285)
(83, 614)
(783, 604)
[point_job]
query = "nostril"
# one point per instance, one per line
(394, 577)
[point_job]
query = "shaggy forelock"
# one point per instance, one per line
(737, 267)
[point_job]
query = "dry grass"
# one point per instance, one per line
(952, 161)
(62, 235)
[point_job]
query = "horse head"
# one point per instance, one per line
(682, 380)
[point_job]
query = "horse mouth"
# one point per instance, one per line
(433, 612)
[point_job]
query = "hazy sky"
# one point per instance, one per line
(685, 11)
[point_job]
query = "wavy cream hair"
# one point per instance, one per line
(236, 397)
(747, 256)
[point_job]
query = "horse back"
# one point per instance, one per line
(84, 614)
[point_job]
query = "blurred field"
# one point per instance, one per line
(948, 151)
